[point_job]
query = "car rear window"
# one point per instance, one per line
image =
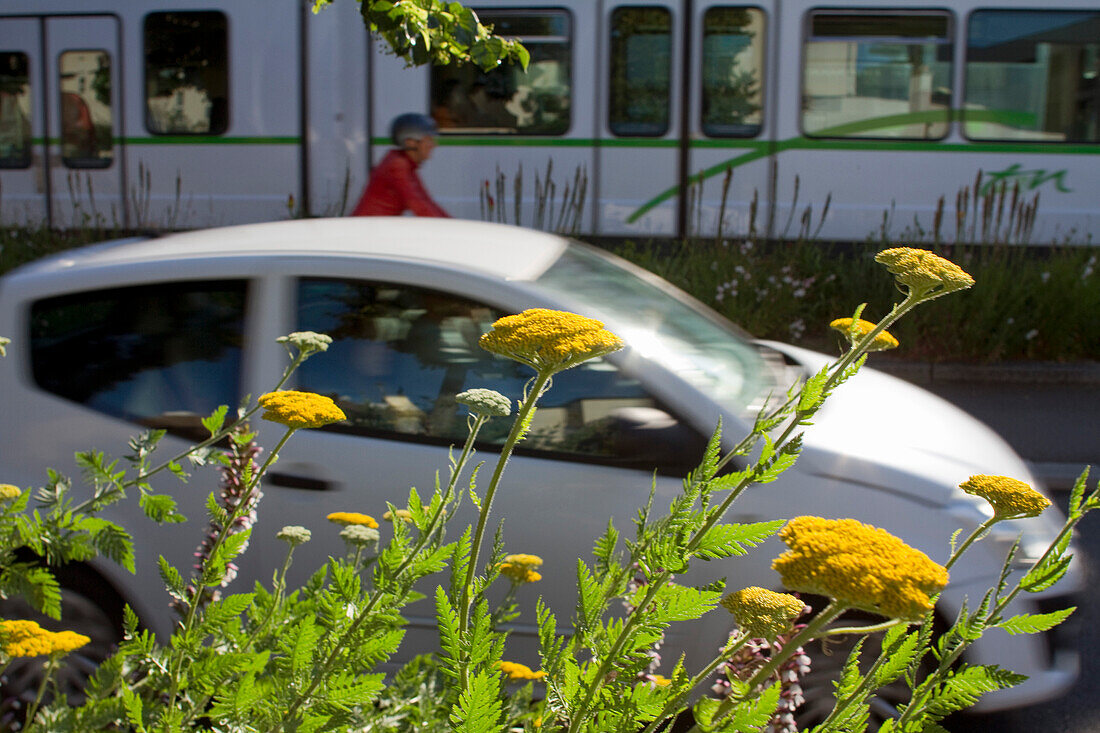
(161, 355)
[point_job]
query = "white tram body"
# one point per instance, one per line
(655, 117)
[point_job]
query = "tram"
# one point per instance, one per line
(779, 118)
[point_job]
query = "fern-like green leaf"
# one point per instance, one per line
(478, 709)
(1046, 574)
(1035, 622)
(963, 688)
(724, 540)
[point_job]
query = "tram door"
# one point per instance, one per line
(639, 147)
(684, 101)
(59, 122)
(730, 163)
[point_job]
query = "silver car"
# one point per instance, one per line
(156, 333)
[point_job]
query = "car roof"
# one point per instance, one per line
(508, 252)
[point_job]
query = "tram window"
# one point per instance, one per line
(877, 75)
(641, 71)
(733, 71)
(507, 99)
(1033, 75)
(87, 124)
(186, 73)
(15, 110)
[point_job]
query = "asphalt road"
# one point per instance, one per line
(1055, 425)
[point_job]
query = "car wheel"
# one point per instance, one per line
(88, 607)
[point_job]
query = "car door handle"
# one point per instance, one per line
(293, 481)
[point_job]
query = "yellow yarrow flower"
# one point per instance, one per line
(762, 613)
(923, 272)
(1009, 497)
(9, 492)
(348, 518)
(517, 671)
(521, 568)
(403, 514)
(300, 409)
(21, 638)
(660, 680)
(859, 565)
(883, 340)
(549, 340)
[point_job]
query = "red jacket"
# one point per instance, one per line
(394, 187)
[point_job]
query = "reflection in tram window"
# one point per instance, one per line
(1033, 75)
(86, 118)
(641, 71)
(186, 73)
(15, 110)
(733, 71)
(877, 74)
(507, 99)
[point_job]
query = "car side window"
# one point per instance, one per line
(400, 354)
(161, 355)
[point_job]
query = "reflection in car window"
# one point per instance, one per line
(684, 339)
(162, 355)
(400, 354)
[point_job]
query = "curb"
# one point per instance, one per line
(1049, 373)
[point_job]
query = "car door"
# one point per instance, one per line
(400, 354)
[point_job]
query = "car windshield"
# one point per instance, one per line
(670, 330)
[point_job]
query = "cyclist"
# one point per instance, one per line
(394, 186)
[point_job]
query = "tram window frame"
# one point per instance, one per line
(25, 121)
(97, 143)
(217, 119)
(942, 97)
(972, 125)
(759, 48)
(624, 126)
(468, 78)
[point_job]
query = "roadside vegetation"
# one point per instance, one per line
(1029, 303)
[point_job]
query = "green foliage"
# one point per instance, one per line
(436, 32)
(310, 658)
(1028, 303)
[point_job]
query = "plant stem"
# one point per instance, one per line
(321, 672)
(193, 607)
(974, 537)
(519, 426)
(807, 634)
(674, 704)
(47, 673)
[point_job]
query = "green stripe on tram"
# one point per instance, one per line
(820, 141)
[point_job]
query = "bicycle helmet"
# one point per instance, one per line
(411, 126)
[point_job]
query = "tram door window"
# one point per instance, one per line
(733, 70)
(186, 73)
(1033, 75)
(641, 71)
(15, 110)
(87, 119)
(507, 99)
(877, 74)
